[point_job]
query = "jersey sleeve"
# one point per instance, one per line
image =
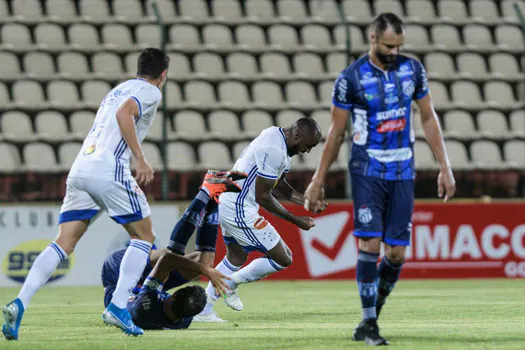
(147, 311)
(147, 98)
(421, 89)
(342, 92)
(269, 161)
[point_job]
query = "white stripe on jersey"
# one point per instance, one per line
(105, 154)
(266, 156)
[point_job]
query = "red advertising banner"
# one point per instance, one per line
(454, 240)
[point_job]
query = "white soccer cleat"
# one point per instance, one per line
(211, 317)
(233, 301)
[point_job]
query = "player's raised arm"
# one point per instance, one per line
(283, 190)
(434, 136)
(126, 115)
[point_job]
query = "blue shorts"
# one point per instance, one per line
(383, 208)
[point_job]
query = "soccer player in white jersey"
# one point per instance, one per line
(100, 179)
(266, 159)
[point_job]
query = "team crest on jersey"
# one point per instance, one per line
(408, 88)
(364, 215)
(90, 149)
(404, 71)
(368, 78)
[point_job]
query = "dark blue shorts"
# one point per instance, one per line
(383, 208)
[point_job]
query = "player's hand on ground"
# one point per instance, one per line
(314, 193)
(144, 172)
(217, 279)
(305, 222)
(446, 184)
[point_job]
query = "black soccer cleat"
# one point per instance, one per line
(359, 332)
(368, 331)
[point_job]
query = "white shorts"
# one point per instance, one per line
(124, 201)
(253, 234)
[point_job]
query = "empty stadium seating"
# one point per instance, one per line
(240, 66)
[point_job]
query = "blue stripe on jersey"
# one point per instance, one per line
(267, 176)
(282, 134)
(138, 103)
(245, 189)
(131, 198)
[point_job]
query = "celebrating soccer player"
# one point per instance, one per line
(377, 90)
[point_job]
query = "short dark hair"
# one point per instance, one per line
(385, 20)
(188, 301)
(152, 62)
(308, 126)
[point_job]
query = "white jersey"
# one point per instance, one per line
(266, 156)
(104, 153)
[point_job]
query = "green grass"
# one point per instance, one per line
(471, 314)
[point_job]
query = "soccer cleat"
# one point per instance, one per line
(368, 331)
(13, 313)
(211, 317)
(233, 301)
(359, 332)
(217, 182)
(115, 316)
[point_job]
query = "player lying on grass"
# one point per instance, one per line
(151, 306)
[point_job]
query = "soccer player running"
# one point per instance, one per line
(266, 159)
(100, 179)
(151, 307)
(377, 90)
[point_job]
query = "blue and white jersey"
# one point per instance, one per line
(266, 156)
(104, 153)
(380, 105)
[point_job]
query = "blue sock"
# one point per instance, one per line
(186, 225)
(207, 232)
(366, 273)
(388, 275)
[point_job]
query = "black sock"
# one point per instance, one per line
(207, 232)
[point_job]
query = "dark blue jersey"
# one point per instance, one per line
(147, 311)
(380, 105)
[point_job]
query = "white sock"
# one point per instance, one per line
(227, 269)
(256, 270)
(131, 269)
(43, 267)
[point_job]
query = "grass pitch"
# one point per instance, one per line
(469, 314)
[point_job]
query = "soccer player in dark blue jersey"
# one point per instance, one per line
(151, 306)
(377, 91)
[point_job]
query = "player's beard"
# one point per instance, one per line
(385, 59)
(293, 150)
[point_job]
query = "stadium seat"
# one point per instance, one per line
(63, 10)
(287, 117)
(275, 65)
(83, 36)
(477, 36)
(499, 93)
(72, 65)
(38, 65)
(492, 124)
(336, 62)
(459, 124)
(423, 156)
(324, 119)
(128, 9)
(10, 67)
(421, 10)
(507, 8)
(193, 8)
(466, 93)
(514, 151)
(486, 155)
(254, 121)
(458, 155)
(148, 35)
(152, 154)
(509, 37)
(181, 156)
(95, 9)
(208, 64)
(283, 37)
(15, 35)
(173, 90)
(358, 40)
(67, 152)
(200, 93)
(394, 6)
(116, 36)
(316, 37)
(233, 94)
(9, 158)
(238, 148)
(184, 36)
(325, 92)
(308, 64)
(325, 11)
(4, 11)
(16, 126)
(483, 9)
(179, 65)
(214, 155)
(453, 9)
(471, 65)
(267, 93)
(166, 8)
(300, 93)
(28, 10)
(27, 93)
(440, 96)
(63, 94)
(259, 9)
(50, 36)
(39, 157)
(439, 64)
(4, 96)
(155, 131)
(226, 9)
(81, 122)
(224, 125)
(51, 126)
(241, 64)
(94, 91)
(250, 36)
(107, 65)
(416, 36)
(445, 36)
(130, 62)
(503, 65)
(357, 10)
(293, 9)
(517, 122)
(217, 35)
(190, 125)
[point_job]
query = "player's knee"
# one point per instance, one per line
(285, 260)
(395, 254)
(370, 245)
(148, 236)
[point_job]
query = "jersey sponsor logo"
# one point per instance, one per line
(391, 125)
(389, 87)
(18, 261)
(390, 155)
(391, 98)
(364, 215)
(408, 88)
(368, 78)
(266, 155)
(342, 89)
(404, 71)
(370, 97)
(89, 150)
(260, 223)
(391, 114)
(360, 134)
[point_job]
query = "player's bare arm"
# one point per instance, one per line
(283, 190)
(126, 115)
(265, 198)
(314, 193)
(434, 136)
